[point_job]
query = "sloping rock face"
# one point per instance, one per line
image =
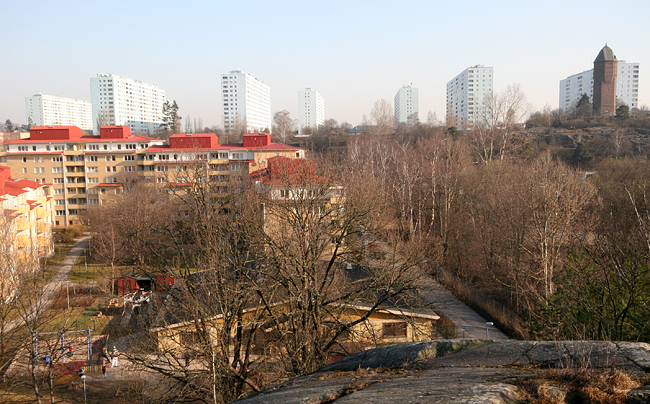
(450, 371)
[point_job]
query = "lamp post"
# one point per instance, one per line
(83, 377)
(488, 324)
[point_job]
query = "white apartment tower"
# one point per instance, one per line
(311, 109)
(627, 86)
(469, 96)
(50, 110)
(407, 105)
(246, 102)
(119, 101)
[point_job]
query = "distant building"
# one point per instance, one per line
(605, 72)
(117, 100)
(50, 110)
(627, 86)
(469, 96)
(407, 105)
(311, 109)
(246, 103)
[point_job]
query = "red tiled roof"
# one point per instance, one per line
(86, 139)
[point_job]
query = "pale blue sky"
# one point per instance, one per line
(352, 52)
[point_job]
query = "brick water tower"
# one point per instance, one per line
(605, 70)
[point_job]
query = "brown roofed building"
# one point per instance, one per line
(605, 71)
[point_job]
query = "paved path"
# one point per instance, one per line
(469, 323)
(51, 289)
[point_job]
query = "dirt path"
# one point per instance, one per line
(51, 289)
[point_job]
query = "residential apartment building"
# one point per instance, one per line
(627, 85)
(25, 229)
(50, 110)
(246, 103)
(407, 105)
(89, 170)
(469, 97)
(117, 100)
(311, 109)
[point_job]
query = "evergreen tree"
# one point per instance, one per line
(170, 114)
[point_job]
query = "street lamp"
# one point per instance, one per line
(488, 324)
(83, 379)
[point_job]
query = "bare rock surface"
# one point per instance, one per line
(453, 371)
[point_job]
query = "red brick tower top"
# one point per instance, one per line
(605, 71)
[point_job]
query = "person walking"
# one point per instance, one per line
(104, 367)
(114, 355)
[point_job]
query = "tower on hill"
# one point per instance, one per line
(605, 71)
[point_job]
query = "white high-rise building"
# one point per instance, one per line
(246, 102)
(627, 86)
(311, 109)
(50, 110)
(469, 96)
(117, 100)
(407, 105)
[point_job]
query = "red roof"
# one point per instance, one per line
(87, 139)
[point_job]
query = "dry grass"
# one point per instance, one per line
(579, 386)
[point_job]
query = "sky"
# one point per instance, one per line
(352, 52)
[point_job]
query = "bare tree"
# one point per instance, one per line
(283, 125)
(382, 119)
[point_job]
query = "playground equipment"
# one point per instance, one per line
(62, 333)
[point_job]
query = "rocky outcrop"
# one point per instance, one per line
(453, 371)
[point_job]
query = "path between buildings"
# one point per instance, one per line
(468, 322)
(52, 287)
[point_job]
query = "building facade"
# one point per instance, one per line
(117, 100)
(407, 105)
(50, 110)
(469, 98)
(311, 109)
(26, 219)
(627, 86)
(89, 170)
(246, 103)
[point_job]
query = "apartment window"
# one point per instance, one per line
(110, 158)
(56, 170)
(132, 146)
(92, 191)
(129, 168)
(59, 202)
(58, 180)
(24, 159)
(60, 213)
(92, 147)
(93, 201)
(91, 158)
(39, 170)
(129, 158)
(57, 159)
(73, 211)
(38, 159)
(23, 148)
(93, 180)
(161, 168)
(395, 329)
(72, 190)
(93, 169)
(59, 191)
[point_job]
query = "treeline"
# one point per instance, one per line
(566, 249)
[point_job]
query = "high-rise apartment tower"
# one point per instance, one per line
(469, 96)
(50, 110)
(246, 103)
(407, 105)
(311, 109)
(117, 100)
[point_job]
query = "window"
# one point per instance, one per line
(91, 158)
(59, 202)
(93, 180)
(59, 191)
(73, 211)
(161, 168)
(23, 148)
(24, 159)
(129, 168)
(38, 170)
(129, 158)
(24, 170)
(38, 159)
(60, 213)
(396, 329)
(93, 169)
(58, 180)
(110, 158)
(92, 147)
(57, 159)
(92, 191)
